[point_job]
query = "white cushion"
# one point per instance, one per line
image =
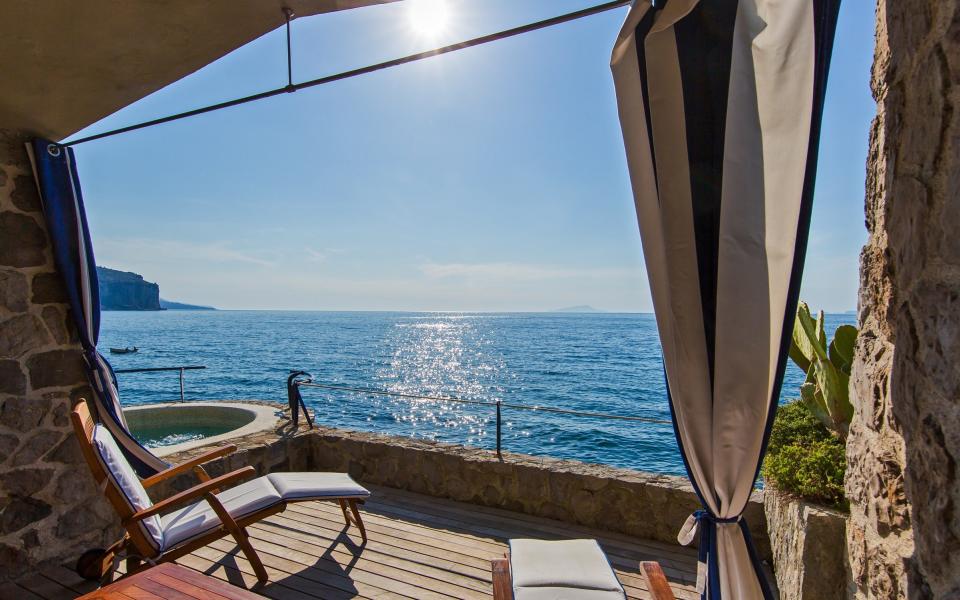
(198, 518)
(563, 569)
(307, 486)
(564, 593)
(124, 478)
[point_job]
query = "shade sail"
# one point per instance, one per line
(56, 174)
(720, 105)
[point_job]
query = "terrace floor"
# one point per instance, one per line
(419, 547)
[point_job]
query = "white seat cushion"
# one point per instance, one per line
(198, 518)
(124, 479)
(563, 569)
(310, 486)
(564, 593)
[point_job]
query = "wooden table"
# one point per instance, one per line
(170, 580)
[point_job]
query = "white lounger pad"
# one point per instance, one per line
(304, 486)
(562, 570)
(255, 495)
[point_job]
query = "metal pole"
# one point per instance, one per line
(288, 13)
(181, 384)
(499, 455)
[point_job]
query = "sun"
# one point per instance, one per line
(428, 18)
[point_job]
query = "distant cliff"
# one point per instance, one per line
(171, 305)
(120, 290)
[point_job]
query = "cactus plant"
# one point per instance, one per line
(826, 388)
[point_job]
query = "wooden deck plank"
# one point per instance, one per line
(12, 591)
(483, 514)
(417, 547)
(353, 569)
(451, 530)
(316, 584)
(384, 544)
(677, 564)
(233, 575)
(44, 587)
(630, 577)
(398, 568)
(405, 530)
(69, 578)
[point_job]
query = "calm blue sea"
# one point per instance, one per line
(592, 362)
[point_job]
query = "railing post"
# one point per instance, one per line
(181, 384)
(499, 455)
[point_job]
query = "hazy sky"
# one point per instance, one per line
(489, 179)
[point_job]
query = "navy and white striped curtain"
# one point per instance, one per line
(720, 103)
(56, 174)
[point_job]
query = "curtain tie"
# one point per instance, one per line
(689, 530)
(692, 525)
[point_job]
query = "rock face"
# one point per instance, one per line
(809, 554)
(43, 480)
(120, 290)
(902, 474)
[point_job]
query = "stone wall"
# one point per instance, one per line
(638, 504)
(904, 444)
(809, 553)
(50, 509)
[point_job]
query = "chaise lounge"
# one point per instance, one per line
(166, 530)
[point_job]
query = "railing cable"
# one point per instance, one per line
(180, 368)
(499, 403)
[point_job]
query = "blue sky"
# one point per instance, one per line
(488, 179)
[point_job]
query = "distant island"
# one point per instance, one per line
(583, 308)
(123, 290)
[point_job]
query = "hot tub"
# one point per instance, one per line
(175, 427)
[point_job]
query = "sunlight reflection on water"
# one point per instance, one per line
(606, 363)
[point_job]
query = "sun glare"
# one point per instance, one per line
(428, 18)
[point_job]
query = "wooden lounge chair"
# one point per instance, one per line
(565, 570)
(166, 530)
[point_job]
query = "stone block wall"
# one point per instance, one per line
(809, 549)
(50, 509)
(904, 445)
(639, 504)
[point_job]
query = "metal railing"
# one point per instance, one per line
(180, 368)
(498, 404)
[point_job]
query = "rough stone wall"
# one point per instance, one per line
(642, 505)
(902, 480)
(50, 509)
(807, 541)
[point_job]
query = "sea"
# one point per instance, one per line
(589, 362)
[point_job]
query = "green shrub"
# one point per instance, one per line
(804, 459)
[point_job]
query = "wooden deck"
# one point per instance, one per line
(419, 547)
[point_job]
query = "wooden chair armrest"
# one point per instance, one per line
(190, 494)
(656, 581)
(190, 464)
(502, 582)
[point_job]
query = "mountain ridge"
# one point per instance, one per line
(580, 308)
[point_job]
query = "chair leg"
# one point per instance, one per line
(358, 520)
(502, 581)
(133, 564)
(343, 507)
(240, 535)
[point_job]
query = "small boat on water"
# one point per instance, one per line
(123, 350)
